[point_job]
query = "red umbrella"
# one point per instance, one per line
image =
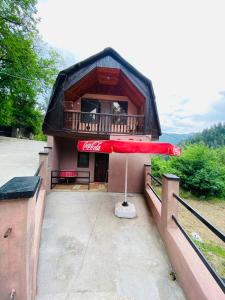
(130, 146)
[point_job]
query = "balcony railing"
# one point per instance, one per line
(103, 123)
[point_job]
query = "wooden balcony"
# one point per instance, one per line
(103, 123)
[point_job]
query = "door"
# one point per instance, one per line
(101, 167)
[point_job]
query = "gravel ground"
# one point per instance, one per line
(214, 212)
(18, 157)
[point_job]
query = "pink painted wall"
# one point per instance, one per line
(132, 109)
(135, 168)
(13, 213)
(67, 156)
(19, 251)
(66, 153)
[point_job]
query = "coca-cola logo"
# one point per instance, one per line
(92, 146)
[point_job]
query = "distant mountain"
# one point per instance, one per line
(175, 138)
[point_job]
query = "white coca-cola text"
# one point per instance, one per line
(92, 146)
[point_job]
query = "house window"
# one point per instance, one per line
(83, 160)
(119, 108)
(90, 109)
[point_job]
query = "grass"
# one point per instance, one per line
(214, 254)
(211, 248)
(188, 195)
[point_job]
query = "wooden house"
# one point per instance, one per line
(102, 97)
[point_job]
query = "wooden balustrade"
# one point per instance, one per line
(103, 123)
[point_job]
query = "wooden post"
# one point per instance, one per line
(170, 185)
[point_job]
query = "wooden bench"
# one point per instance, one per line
(66, 175)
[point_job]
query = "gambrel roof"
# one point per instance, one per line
(108, 58)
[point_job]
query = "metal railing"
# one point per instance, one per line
(103, 123)
(159, 183)
(38, 169)
(12, 295)
(212, 228)
(8, 232)
(40, 182)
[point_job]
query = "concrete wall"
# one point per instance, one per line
(191, 273)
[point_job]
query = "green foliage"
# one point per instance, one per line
(200, 169)
(40, 137)
(161, 166)
(215, 254)
(209, 247)
(27, 66)
(213, 137)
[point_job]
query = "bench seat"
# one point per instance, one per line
(67, 175)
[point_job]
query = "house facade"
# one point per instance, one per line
(102, 97)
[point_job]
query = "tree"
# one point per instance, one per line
(200, 168)
(27, 66)
(213, 137)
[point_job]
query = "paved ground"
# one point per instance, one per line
(18, 157)
(88, 254)
(93, 187)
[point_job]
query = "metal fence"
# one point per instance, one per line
(212, 228)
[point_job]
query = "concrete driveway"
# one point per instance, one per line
(88, 254)
(18, 157)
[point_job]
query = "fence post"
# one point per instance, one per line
(147, 178)
(170, 185)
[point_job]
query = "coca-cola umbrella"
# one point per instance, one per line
(129, 146)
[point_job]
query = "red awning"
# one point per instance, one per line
(109, 146)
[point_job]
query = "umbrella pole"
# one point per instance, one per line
(125, 203)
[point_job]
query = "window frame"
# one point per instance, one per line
(79, 160)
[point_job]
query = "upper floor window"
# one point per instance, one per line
(120, 108)
(91, 107)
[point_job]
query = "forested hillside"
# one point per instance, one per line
(175, 138)
(27, 66)
(213, 137)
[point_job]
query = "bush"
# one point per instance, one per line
(161, 165)
(40, 137)
(200, 169)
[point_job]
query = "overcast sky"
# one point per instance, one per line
(179, 45)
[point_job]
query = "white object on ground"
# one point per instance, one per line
(128, 212)
(196, 237)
